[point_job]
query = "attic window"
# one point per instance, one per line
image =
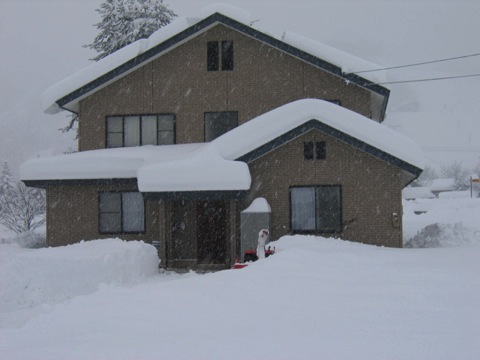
(214, 57)
(318, 149)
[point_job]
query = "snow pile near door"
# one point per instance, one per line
(31, 277)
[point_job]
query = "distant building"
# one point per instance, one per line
(420, 192)
(442, 185)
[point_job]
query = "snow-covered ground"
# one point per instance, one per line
(315, 298)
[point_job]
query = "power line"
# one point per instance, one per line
(429, 79)
(417, 64)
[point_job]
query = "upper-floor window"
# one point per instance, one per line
(121, 212)
(314, 150)
(219, 53)
(218, 123)
(136, 130)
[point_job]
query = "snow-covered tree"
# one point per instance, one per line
(125, 21)
(456, 171)
(22, 209)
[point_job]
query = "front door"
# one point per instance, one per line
(211, 232)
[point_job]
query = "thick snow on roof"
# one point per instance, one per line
(185, 167)
(277, 122)
(204, 171)
(422, 192)
(446, 184)
(348, 62)
(118, 163)
(212, 166)
(120, 57)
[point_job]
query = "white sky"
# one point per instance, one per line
(41, 43)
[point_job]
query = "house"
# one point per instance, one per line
(417, 192)
(181, 132)
(442, 185)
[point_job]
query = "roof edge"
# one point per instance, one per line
(190, 31)
(337, 134)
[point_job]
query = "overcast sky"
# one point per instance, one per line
(41, 43)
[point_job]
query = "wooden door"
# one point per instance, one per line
(211, 232)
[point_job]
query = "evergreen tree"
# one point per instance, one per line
(22, 209)
(125, 21)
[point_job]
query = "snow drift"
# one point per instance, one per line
(43, 276)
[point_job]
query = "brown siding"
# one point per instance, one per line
(371, 188)
(72, 215)
(178, 82)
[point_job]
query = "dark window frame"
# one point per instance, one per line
(121, 231)
(140, 116)
(320, 150)
(314, 150)
(220, 53)
(213, 56)
(308, 150)
(217, 113)
(227, 55)
(339, 226)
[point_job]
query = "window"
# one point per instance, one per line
(218, 123)
(121, 212)
(136, 130)
(320, 150)
(213, 55)
(308, 150)
(316, 209)
(227, 55)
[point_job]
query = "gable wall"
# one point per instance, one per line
(371, 188)
(178, 82)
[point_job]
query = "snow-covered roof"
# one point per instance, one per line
(447, 184)
(269, 126)
(183, 167)
(66, 93)
(215, 165)
(421, 192)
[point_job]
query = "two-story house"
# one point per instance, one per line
(181, 132)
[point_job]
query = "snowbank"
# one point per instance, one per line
(315, 298)
(441, 222)
(31, 277)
